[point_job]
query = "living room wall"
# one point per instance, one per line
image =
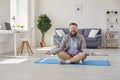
(4, 12)
(62, 12)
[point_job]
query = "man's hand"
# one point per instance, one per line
(49, 52)
(92, 54)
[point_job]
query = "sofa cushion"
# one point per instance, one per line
(60, 32)
(93, 33)
(66, 30)
(90, 39)
(81, 31)
(86, 32)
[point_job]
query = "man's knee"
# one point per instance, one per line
(82, 55)
(60, 54)
(63, 55)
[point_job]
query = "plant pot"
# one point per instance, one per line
(42, 44)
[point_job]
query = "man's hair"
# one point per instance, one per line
(73, 24)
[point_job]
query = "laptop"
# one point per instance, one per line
(7, 25)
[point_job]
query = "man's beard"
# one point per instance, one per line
(73, 35)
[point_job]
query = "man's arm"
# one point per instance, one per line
(61, 48)
(84, 48)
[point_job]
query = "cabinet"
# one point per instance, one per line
(112, 39)
(6, 42)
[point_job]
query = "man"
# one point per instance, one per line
(73, 47)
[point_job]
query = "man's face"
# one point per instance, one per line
(73, 30)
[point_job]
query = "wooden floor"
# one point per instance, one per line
(30, 71)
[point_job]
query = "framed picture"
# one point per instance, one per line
(78, 8)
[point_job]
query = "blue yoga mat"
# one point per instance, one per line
(85, 62)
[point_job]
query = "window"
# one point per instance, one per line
(19, 14)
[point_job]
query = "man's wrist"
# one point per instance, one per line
(53, 52)
(87, 54)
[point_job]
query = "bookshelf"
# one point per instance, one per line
(112, 39)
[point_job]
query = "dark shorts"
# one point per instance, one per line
(72, 55)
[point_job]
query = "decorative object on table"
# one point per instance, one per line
(14, 21)
(19, 26)
(13, 18)
(44, 24)
(7, 26)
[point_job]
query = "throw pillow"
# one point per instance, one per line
(93, 33)
(60, 33)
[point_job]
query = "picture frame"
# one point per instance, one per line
(78, 8)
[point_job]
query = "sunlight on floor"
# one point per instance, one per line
(45, 48)
(13, 61)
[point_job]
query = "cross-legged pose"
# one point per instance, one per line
(73, 47)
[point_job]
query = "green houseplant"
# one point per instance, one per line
(44, 24)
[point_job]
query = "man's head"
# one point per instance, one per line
(73, 29)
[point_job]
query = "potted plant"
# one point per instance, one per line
(44, 24)
(19, 26)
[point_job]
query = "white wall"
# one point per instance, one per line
(62, 12)
(4, 11)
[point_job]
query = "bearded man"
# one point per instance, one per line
(72, 48)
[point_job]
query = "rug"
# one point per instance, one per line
(85, 62)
